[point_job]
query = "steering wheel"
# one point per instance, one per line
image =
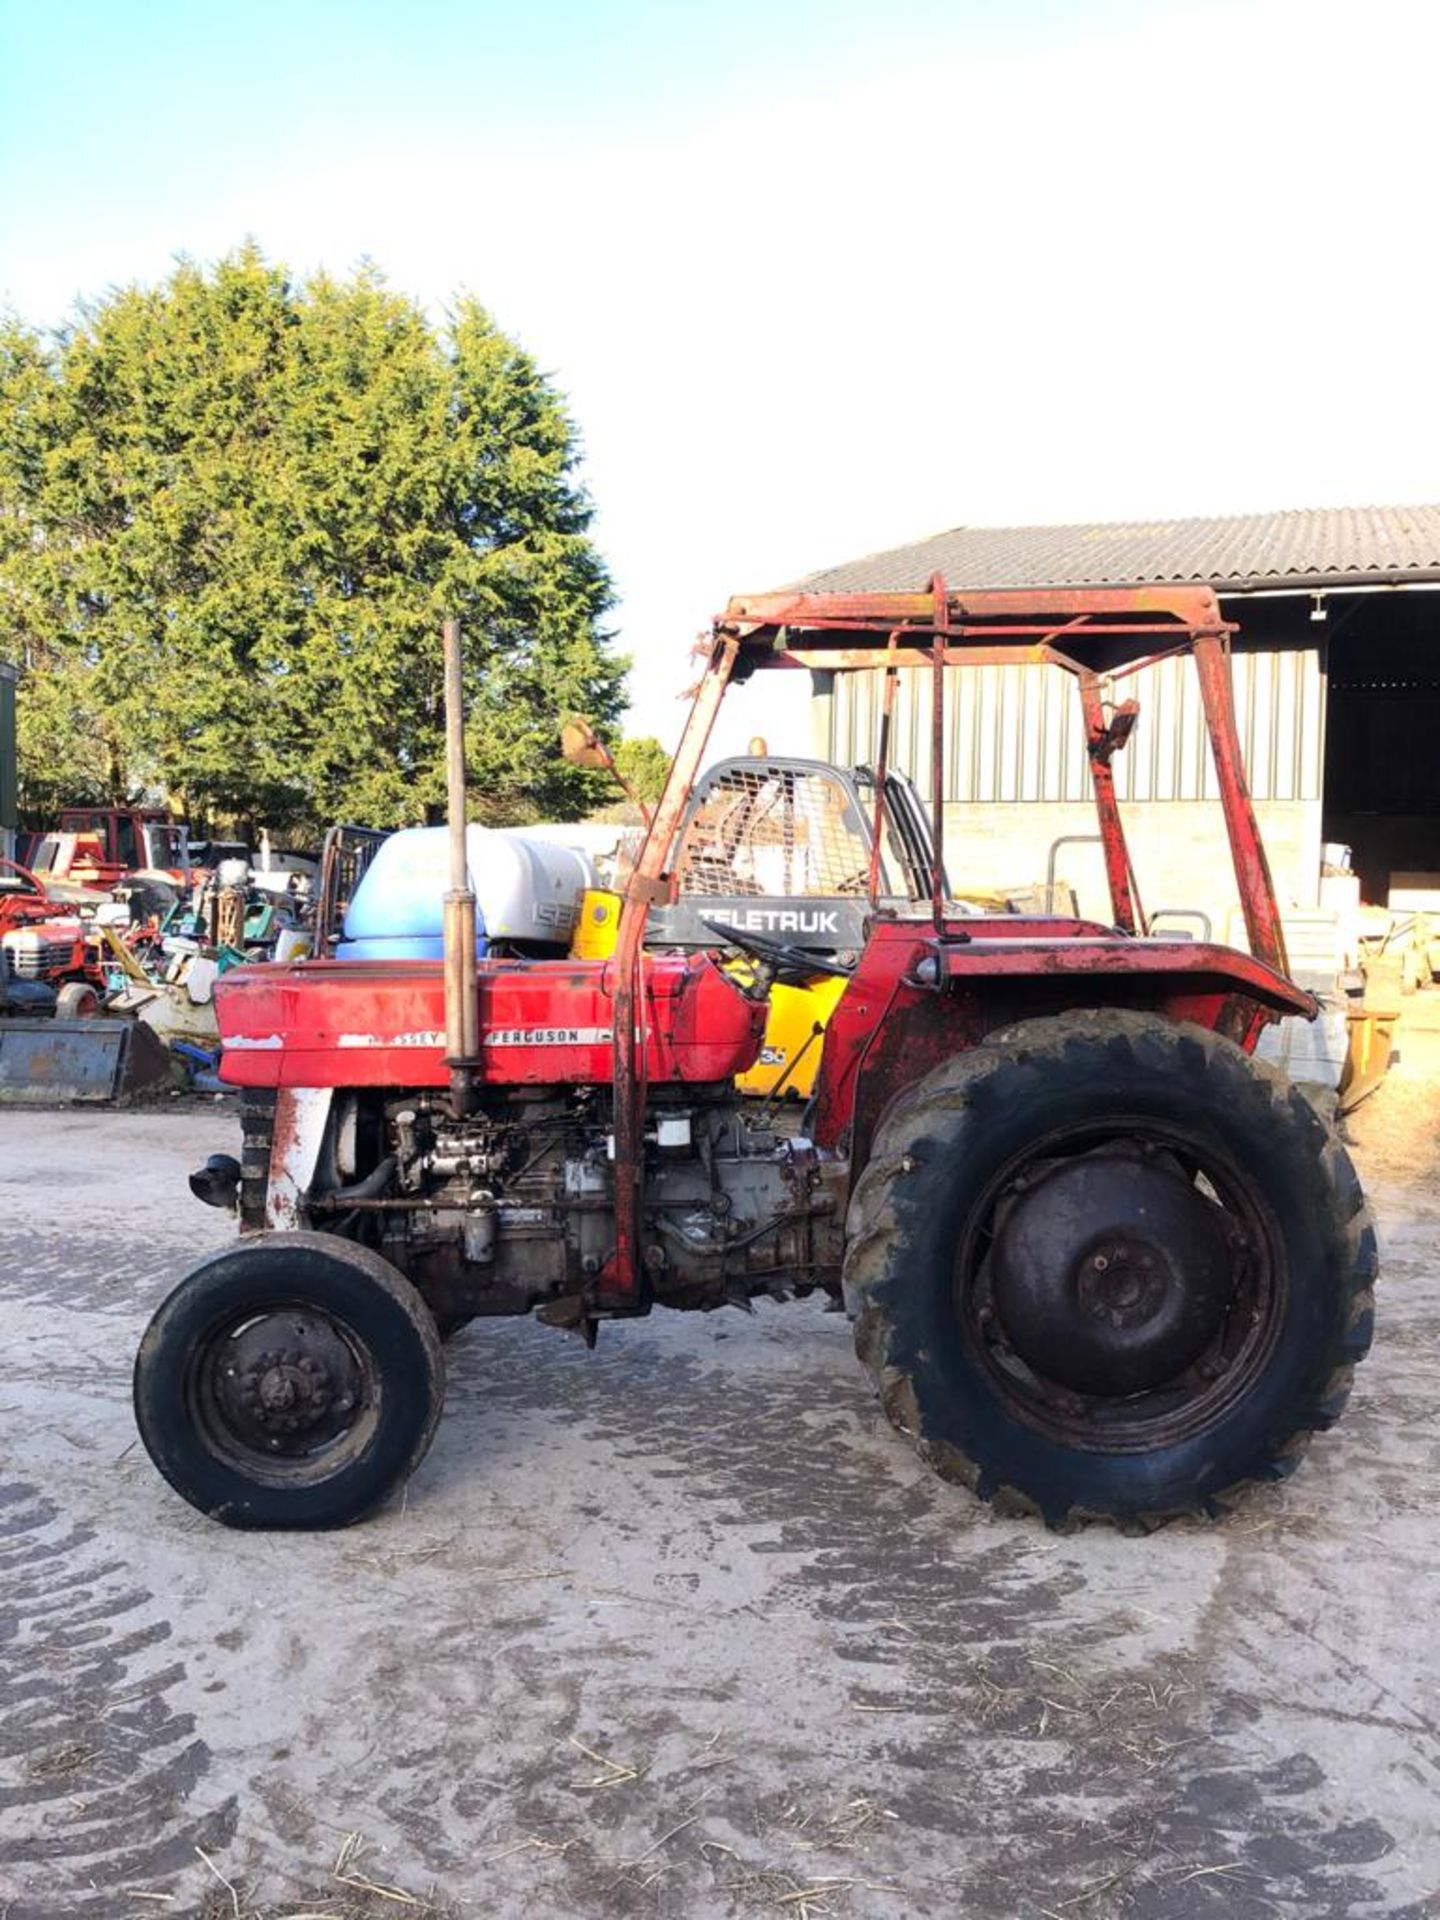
(789, 963)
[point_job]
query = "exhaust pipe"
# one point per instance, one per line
(462, 1009)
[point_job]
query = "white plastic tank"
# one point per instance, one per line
(527, 890)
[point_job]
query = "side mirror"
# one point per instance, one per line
(583, 747)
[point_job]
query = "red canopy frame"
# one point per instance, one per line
(1097, 634)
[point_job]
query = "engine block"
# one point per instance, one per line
(513, 1208)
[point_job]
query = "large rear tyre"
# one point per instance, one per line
(294, 1380)
(1107, 1266)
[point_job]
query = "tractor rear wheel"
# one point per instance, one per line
(1107, 1266)
(293, 1380)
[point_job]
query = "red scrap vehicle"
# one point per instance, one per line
(1101, 1262)
(41, 940)
(97, 847)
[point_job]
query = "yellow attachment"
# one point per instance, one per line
(795, 1012)
(598, 925)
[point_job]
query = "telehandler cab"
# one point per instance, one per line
(1101, 1263)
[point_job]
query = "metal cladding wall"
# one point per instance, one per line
(1018, 789)
(1014, 734)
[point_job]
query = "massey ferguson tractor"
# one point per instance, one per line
(1101, 1263)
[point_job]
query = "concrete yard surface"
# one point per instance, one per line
(681, 1628)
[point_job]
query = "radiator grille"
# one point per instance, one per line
(30, 958)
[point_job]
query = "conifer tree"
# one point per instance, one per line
(234, 510)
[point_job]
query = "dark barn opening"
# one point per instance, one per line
(1382, 735)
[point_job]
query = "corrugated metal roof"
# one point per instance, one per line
(1240, 552)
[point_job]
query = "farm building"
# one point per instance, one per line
(1337, 679)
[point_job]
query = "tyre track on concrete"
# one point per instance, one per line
(114, 1275)
(1044, 1750)
(699, 1552)
(676, 1614)
(986, 1692)
(97, 1765)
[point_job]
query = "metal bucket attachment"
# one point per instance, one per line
(43, 1062)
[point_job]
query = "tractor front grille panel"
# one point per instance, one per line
(777, 834)
(27, 958)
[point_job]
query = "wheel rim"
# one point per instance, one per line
(1121, 1284)
(286, 1393)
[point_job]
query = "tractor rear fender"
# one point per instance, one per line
(914, 1001)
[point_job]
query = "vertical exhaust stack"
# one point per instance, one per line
(462, 1009)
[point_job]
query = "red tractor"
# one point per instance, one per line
(42, 941)
(1101, 1263)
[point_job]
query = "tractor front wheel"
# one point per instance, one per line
(77, 1000)
(293, 1380)
(1107, 1266)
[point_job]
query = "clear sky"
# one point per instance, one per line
(816, 277)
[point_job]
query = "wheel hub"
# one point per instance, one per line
(1121, 1284)
(1111, 1274)
(286, 1399)
(289, 1390)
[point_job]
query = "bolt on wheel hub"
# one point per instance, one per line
(286, 1399)
(290, 1389)
(1121, 1284)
